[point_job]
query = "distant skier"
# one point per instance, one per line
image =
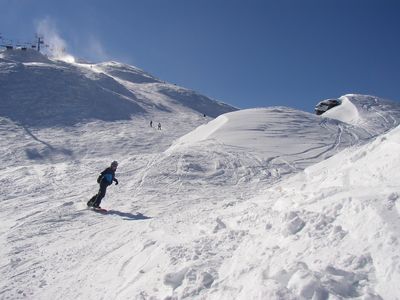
(105, 179)
(151, 123)
(159, 126)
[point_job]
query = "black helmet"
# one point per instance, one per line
(114, 164)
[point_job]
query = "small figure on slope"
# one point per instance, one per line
(159, 126)
(105, 179)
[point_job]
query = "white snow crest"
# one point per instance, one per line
(346, 112)
(199, 134)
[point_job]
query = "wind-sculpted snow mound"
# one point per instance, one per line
(278, 136)
(279, 139)
(374, 114)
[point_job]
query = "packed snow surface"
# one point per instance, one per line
(268, 203)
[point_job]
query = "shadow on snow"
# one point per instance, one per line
(128, 216)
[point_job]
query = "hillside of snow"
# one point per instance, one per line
(332, 231)
(38, 91)
(284, 140)
(267, 203)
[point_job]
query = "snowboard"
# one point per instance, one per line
(100, 210)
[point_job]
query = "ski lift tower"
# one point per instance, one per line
(39, 42)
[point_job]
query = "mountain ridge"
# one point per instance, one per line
(106, 91)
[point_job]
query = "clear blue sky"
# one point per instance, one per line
(248, 53)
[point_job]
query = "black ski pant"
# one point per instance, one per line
(96, 199)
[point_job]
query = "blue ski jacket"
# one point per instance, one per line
(108, 176)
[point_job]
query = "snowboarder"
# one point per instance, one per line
(159, 126)
(105, 179)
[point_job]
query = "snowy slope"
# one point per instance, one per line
(49, 107)
(286, 140)
(331, 231)
(255, 204)
(38, 91)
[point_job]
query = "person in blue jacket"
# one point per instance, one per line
(106, 178)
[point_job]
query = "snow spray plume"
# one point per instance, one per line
(96, 49)
(56, 45)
